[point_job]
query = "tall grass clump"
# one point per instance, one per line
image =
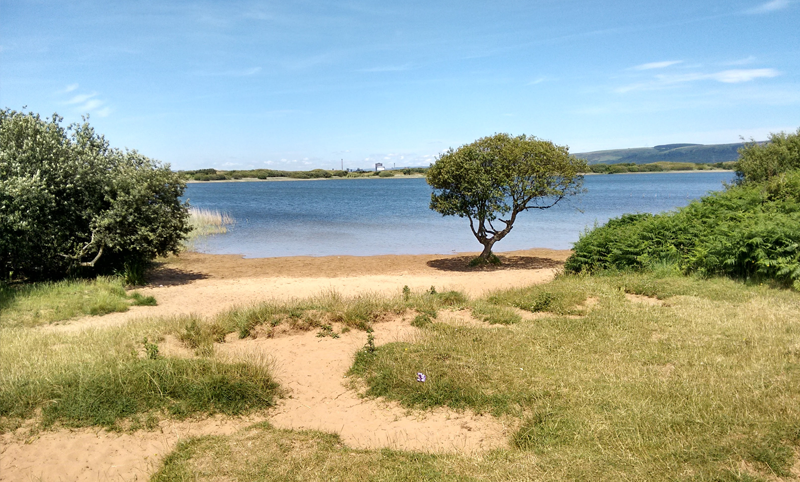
(205, 222)
(105, 377)
(48, 302)
(358, 312)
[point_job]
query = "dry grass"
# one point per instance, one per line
(704, 386)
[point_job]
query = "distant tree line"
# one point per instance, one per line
(215, 175)
(658, 167)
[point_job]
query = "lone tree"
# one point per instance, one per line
(499, 176)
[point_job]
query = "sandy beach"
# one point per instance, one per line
(310, 369)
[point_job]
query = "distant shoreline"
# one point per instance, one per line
(281, 179)
(420, 176)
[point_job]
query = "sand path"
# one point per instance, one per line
(311, 369)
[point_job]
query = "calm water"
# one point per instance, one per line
(391, 216)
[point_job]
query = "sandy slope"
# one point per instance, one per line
(311, 369)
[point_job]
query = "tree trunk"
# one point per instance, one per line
(487, 249)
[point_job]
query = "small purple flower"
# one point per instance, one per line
(421, 377)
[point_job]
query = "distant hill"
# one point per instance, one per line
(698, 153)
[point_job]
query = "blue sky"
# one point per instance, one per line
(301, 85)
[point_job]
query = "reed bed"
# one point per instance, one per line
(206, 222)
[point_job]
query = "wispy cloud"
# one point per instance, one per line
(745, 61)
(80, 98)
(657, 65)
(388, 68)
(538, 81)
(326, 58)
(733, 76)
(230, 73)
(768, 7)
(89, 103)
(742, 75)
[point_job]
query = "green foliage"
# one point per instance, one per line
(657, 167)
(69, 202)
(747, 231)
(150, 349)
(759, 162)
(214, 175)
(422, 320)
(134, 271)
(499, 176)
(386, 174)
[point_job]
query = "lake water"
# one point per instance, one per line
(390, 216)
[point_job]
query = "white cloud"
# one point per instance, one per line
(734, 76)
(657, 65)
(768, 7)
(743, 75)
(91, 105)
(81, 98)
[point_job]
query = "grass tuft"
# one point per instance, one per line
(141, 300)
(494, 314)
(49, 302)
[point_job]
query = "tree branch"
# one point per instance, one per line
(83, 251)
(92, 262)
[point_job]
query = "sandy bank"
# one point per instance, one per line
(310, 369)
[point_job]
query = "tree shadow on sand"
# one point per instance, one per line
(161, 275)
(461, 263)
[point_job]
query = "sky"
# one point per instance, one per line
(320, 84)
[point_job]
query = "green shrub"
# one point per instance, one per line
(69, 203)
(386, 174)
(762, 162)
(747, 231)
